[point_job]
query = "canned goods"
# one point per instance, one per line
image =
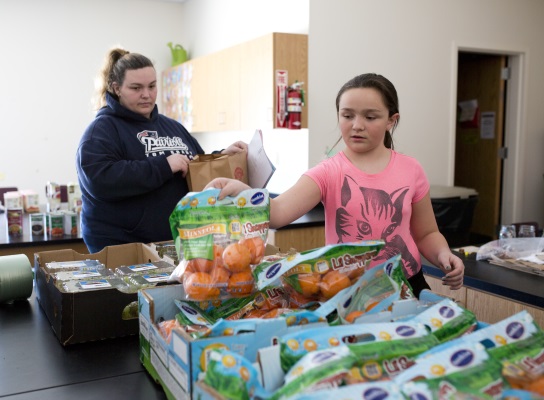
(37, 224)
(15, 222)
(70, 223)
(55, 224)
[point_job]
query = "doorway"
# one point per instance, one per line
(480, 135)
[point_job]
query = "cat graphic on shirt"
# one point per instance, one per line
(379, 217)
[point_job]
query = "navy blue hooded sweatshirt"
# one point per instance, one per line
(128, 189)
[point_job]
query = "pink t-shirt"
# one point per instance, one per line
(360, 206)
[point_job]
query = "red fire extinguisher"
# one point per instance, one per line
(295, 101)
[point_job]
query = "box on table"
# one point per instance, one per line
(96, 314)
(178, 364)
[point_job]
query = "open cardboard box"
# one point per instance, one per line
(268, 361)
(96, 314)
(178, 364)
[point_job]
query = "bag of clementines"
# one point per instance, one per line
(319, 274)
(218, 242)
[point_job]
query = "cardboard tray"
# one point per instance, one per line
(177, 364)
(97, 314)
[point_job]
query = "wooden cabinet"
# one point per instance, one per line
(261, 58)
(460, 296)
(223, 90)
(487, 307)
(300, 239)
(234, 89)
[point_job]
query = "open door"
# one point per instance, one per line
(479, 140)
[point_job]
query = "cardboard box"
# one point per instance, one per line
(178, 364)
(96, 314)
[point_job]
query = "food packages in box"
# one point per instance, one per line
(466, 365)
(218, 241)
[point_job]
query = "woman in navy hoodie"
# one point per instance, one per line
(131, 160)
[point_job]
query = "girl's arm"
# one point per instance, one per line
(284, 209)
(294, 203)
(432, 244)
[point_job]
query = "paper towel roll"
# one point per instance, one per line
(15, 278)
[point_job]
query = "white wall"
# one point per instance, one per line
(51, 52)
(53, 49)
(212, 25)
(415, 45)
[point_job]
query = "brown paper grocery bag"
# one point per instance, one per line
(205, 167)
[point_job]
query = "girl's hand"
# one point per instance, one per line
(234, 148)
(229, 187)
(454, 269)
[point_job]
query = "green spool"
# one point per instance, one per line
(16, 278)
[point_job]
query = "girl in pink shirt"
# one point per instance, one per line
(369, 191)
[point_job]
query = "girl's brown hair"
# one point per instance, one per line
(384, 87)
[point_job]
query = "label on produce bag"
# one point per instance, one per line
(99, 284)
(85, 274)
(142, 267)
(157, 277)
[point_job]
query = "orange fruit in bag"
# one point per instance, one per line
(199, 286)
(255, 313)
(220, 276)
(241, 283)
(236, 257)
(352, 316)
(332, 282)
(536, 386)
(256, 248)
(309, 284)
(297, 300)
(275, 313)
(218, 255)
(199, 265)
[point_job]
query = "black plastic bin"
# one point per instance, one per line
(453, 208)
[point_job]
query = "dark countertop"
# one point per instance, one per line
(509, 283)
(34, 365)
(315, 217)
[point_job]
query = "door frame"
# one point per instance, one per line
(514, 126)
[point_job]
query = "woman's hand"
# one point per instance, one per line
(229, 187)
(178, 163)
(234, 148)
(454, 269)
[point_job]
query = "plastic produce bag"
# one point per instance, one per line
(515, 248)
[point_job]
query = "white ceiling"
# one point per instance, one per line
(172, 1)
